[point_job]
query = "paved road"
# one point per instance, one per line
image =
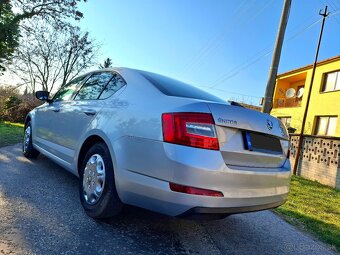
(40, 213)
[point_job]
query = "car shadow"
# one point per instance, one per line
(40, 213)
(44, 211)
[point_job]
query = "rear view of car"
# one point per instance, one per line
(161, 144)
(246, 167)
(218, 158)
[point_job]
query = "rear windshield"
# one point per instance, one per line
(171, 87)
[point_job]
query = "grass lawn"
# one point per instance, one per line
(10, 133)
(314, 208)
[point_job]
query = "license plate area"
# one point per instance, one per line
(261, 143)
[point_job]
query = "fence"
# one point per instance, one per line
(319, 159)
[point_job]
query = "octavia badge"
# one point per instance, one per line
(269, 124)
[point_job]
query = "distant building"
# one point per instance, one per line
(252, 107)
(324, 107)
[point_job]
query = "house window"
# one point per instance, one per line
(331, 81)
(326, 125)
(286, 121)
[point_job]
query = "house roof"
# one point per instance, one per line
(251, 107)
(303, 68)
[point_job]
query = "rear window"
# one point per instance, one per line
(171, 87)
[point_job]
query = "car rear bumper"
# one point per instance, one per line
(229, 210)
(154, 194)
(144, 181)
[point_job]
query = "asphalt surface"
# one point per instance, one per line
(40, 213)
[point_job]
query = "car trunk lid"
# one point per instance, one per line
(249, 138)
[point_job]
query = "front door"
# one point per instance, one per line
(76, 116)
(49, 126)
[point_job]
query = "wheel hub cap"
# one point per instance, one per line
(93, 179)
(27, 137)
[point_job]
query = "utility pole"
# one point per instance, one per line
(298, 151)
(268, 99)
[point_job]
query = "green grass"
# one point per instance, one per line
(315, 208)
(10, 133)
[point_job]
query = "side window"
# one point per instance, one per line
(93, 86)
(286, 121)
(116, 83)
(66, 92)
(331, 81)
(326, 125)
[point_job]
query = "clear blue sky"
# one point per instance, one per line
(225, 43)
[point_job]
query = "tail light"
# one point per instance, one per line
(190, 129)
(195, 191)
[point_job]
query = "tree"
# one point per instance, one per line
(55, 12)
(47, 56)
(9, 33)
(77, 53)
(107, 64)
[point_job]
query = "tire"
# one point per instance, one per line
(27, 146)
(97, 189)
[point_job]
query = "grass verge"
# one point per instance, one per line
(10, 133)
(315, 208)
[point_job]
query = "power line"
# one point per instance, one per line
(242, 67)
(256, 58)
(336, 12)
(267, 50)
(332, 5)
(218, 41)
(213, 40)
(215, 43)
(244, 97)
(230, 92)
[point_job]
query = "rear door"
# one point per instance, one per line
(249, 138)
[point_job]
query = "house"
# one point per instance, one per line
(290, 98)
(319, 158)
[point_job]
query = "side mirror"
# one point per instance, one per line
(43, 96)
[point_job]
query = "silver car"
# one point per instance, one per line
(142, 139)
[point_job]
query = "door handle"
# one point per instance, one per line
(55, 109)
(90, 112)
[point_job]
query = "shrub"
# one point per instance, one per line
(14, 107)
(18, 114)
(5, 93)
(12, 102)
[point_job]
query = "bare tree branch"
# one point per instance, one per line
(47, 56)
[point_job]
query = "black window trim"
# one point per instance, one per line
(317, 120)
(324, 78)
(85, 78)
(113, 72)
(89, 76)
